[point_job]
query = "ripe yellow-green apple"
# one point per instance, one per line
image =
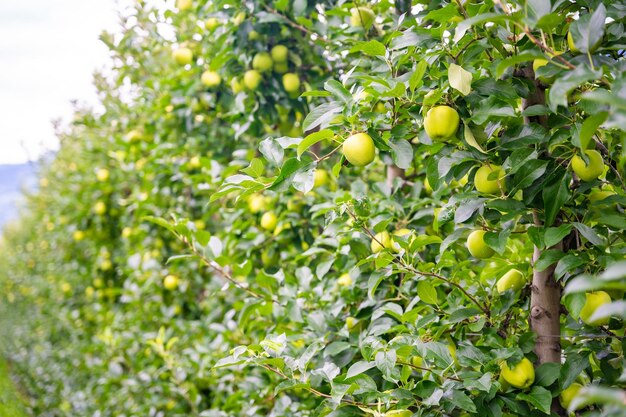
(102, 174)
(593, 301)
(279, 53)
(126, 232)
(78, 235)
(568, 394)
(320, 178)
(441, 122)
(351, 322)
(211, 79)
(345, 280)
(281, 67)
(134, 135)
(211, 23)
(253, 35)
(257, 203)
(380, 107)
(270, 258)
(522, 375)
(262, 62)
(380, 238)
(251, 79)
(170, 282)
(359, 149)
(477, 246)
(184, 4)
(194, 162)
(484, 184)
(512, 280)
(588, 172)
(401, 232)
(236, 85)
(291, 82)
(99, 208)
(269, 221)
(106, 265)
(361, 17)
(182, 56)
(398, 413)
(294, 204)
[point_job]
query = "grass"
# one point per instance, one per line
(11, 404)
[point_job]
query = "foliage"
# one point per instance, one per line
(262, 319)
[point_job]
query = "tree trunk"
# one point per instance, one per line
(393, 172)
(545, 297)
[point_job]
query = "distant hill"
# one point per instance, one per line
(13, 180)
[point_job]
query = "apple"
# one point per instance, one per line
(102, 175)
(253, 35)
(279, 53)
(380, 107)
(182, 56)
(441, 123)
(398, 413)
(522, 375)
(568, 394)
(345, 280)
(281, 67)
(351, 322)
(134, 135)
(512, 280)
(78, 235)
(211, 23)
(402, 232)
(262, 62)
(257, 203)
(588, 172)
(477, 246)
(170, 282)
(252, 79)
(382, 237)
(359, 149)
(183, 5)
(99, 208)
(484, 184)
(126, 232)
(291, 82)
(236, 86)
(269, 221)
(211, 79)
(361, 17)
(194, 162)
(320, 178)
(594, 300)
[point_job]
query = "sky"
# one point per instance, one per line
(49, 50)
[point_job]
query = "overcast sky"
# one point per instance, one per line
(49, 50)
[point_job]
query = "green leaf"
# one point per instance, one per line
(321, 115)
(554, 235)
(514, 60)
(470, 139)
(359, 367)
(574, 365)
(312, 139)
(427, 293)
(588, 30)
(555, 194)
(338, 90)
(373, 48)
(589, 128)
(547, 373)
(589, 234)
(460, 79)
(272, 151)
(547, 258)
(288, 169)
(255, 169)
(417, 77)
(461, 400)
(572, 79)
(539, 397)
(401, 153)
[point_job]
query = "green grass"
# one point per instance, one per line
(10, 403)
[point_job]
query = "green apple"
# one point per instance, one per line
(211, 23)
(477, 246)
(236, 85)
(257, 203)
(253, 35)
(281, 67)
(183, 5)
(210, 79)
(362, 17)
(269, 221)
(593, 301)
(99, 208)
(320, 178)
(262, 62)
(182, 56)
(568, 394)
(512, 280)
(398, 413)
(351, 322)
(401, 232)
(170, 282)
(291, 82)
(252, 79)
(588, 172)
(484, 184)
(345, 280)
(359, 149)
(279, 53)
(441, 123)
(522, 375)
(384, 238)
(78, 235)
(102, 174)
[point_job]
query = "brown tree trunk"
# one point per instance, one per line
(393, 172)
(545, 297)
